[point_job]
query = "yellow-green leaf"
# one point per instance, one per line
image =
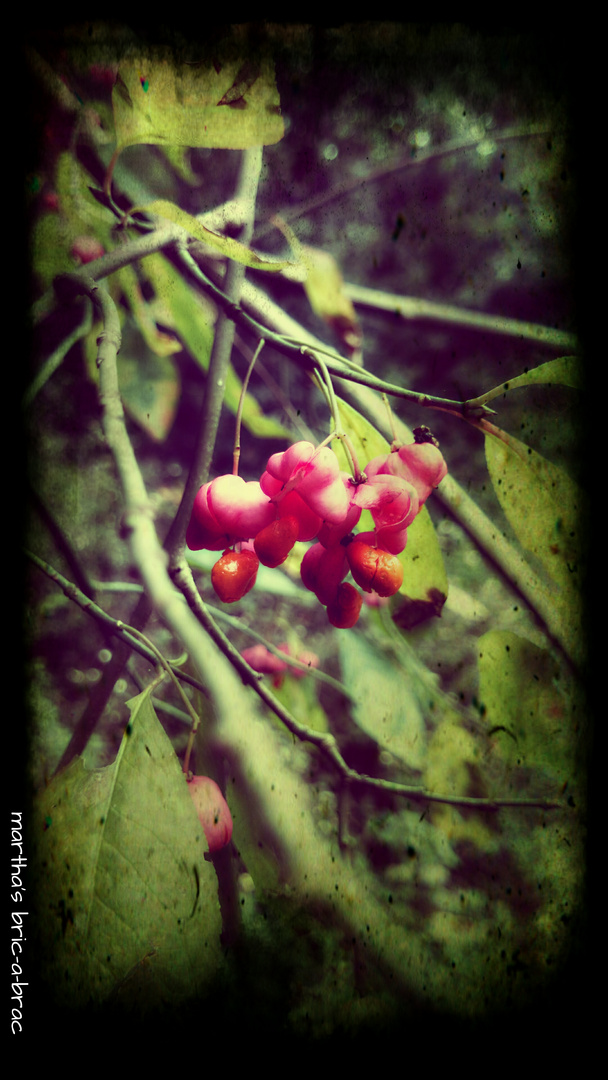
(212, 103)
(425, 582)
(367, 442)
(566, 371)
(159, 342)
(528, 714)
(324, 286)
(546, 509)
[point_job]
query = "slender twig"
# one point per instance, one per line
(194, 717)
(242, 627)
(410, 307)
(340, 368)
(236, 453)
(126, 633)
(52, 362)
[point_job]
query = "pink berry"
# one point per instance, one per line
(262, 660)
(86, 249)
(213, 811)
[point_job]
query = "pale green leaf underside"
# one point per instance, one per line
(548, 513)
(159, 102)
(388, 706)
(121, 865)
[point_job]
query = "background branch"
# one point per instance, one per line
(251, 164)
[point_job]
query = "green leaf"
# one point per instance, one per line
(150, 384)
(545, 508)
(229, 247)
(146, 314)
(228, 102)
(393, 696)
(130, 911)
(425, 582)
(566, 371)
(528, 715)
(324, 287)
(548, 513)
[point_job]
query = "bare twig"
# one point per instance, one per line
(52, 362)
(117, 627)
(410, 307)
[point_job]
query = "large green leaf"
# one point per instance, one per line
(528, 712)
(128, 905)
(544, 506)
(394, 695)
(229, 102)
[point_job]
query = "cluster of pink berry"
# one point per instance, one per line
(303, 495)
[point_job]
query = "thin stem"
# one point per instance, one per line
(352, 457)
(52, 362)
(340, 368)
(390, 417)
(168, 667)
(236, 453)
(331, 397)
(411, 307)
(221, 616)
(123, 631)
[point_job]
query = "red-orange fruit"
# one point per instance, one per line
(234, 575)
(343, 611)
(273, 544)
(374, 569)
